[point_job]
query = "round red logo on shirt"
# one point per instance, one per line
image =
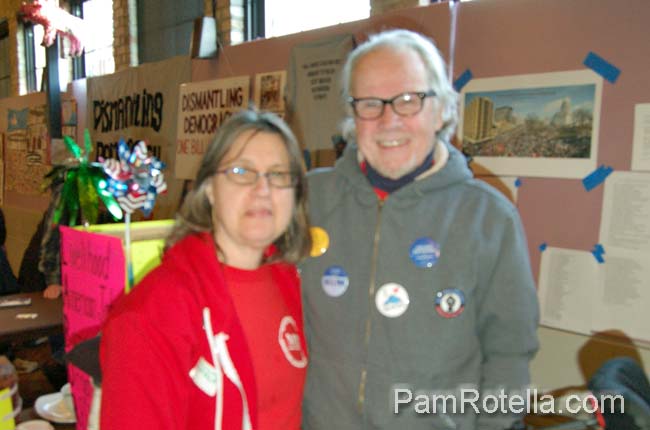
(289, 340)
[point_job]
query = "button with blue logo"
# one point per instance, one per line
(424, 252)
(450, 302)
(335, 281)
(392, 300)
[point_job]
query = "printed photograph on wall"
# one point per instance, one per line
(269, 91)
(532, 125)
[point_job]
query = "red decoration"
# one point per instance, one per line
(55, 21)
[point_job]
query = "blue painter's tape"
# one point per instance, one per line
(596, 177)
(543, 246)
(518, 183)
(601, 66)
(463, 79)
(598, 251)
(599, 257)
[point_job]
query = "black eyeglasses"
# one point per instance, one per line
(405, 104)
(247, 176)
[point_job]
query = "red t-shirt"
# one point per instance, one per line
(275, 340)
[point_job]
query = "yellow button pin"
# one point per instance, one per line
(320, 241)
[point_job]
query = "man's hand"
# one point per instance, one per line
(52, 291)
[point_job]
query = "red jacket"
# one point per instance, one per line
(158, 370)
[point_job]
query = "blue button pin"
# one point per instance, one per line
(335, 281)
(424, 252)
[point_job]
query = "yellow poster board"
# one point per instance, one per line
(147, 242)
(6, 411)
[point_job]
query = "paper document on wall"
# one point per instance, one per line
(624, 296)
(625, 222)
(567, 283)
(641, 143)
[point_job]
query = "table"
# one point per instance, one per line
(49, 320)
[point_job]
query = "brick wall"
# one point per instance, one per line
(8, 10)
(230, 20)
(125, 34)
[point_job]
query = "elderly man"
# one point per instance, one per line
(422, 304)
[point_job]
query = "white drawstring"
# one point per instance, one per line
(231, 373)
(224, 366)
(207, 326)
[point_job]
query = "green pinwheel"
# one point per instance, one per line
(82, 184)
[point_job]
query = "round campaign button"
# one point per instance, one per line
(450, 302)
(424, 252)
(320, 241)
(335, 281)
(392, 300)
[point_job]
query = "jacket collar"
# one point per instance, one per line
(450, 167)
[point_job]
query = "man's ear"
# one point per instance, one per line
(207, 189)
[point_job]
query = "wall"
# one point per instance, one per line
(504, 37)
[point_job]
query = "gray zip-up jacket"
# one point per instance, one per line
(428, 292)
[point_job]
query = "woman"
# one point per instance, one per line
(212, 338)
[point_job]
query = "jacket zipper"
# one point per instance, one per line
(371, 296)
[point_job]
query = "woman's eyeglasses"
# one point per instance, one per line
(247, 176)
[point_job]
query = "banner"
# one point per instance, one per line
(136, 104)
(314, 105)
(27, 149)
(203, 107)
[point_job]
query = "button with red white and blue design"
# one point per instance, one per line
(392, 300)
(335, 281)
(424, 252)
(450, 302)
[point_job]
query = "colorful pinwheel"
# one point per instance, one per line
(136, 179)
(83, 185)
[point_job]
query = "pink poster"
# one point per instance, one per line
(93, 274)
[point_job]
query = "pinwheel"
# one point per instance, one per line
(135, 180)
(83, 185)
